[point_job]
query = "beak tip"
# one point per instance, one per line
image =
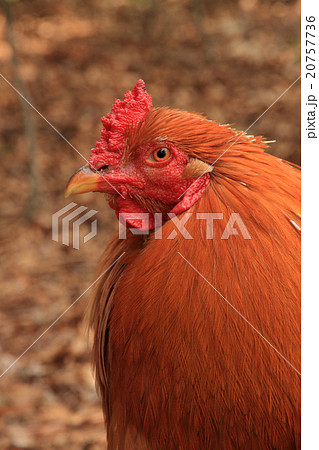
(83, 180)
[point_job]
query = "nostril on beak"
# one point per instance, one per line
(103, 168)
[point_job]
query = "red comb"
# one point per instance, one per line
(124, 114)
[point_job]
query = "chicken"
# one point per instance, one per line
(196, 317)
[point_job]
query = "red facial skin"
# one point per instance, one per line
(142, 176)
(135, 172)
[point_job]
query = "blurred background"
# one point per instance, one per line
(228, 59)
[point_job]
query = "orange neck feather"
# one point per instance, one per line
(160, 330)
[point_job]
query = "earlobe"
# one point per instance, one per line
(196, 168)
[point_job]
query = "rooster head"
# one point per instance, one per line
(151, 160)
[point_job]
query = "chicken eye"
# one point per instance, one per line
(162, 154)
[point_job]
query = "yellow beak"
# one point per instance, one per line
(84, 180)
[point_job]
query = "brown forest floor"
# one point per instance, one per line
(228, 59)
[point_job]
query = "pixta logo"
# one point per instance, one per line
(76, 224)
(234, 225)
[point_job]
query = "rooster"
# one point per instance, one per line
(196, 332)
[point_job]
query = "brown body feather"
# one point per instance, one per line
(176, 366)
